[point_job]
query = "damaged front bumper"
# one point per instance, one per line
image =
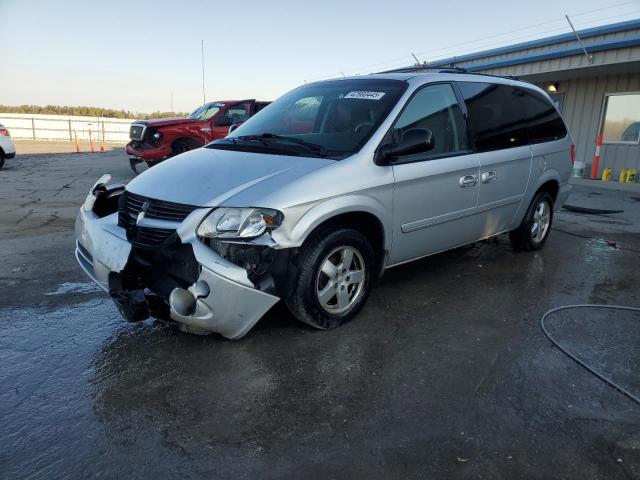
(148, 152)
(187, 281)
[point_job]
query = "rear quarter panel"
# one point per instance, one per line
(550, 161)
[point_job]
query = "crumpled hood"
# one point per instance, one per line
(165, 122)
(209, 177)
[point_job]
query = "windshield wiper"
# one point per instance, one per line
(265, 137)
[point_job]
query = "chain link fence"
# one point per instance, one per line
(66, 127)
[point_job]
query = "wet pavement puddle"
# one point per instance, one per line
(72, 287)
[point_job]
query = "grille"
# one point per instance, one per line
(131, 205)
(136, 132)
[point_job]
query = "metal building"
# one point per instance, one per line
(595, 83)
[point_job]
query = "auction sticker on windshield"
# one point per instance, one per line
(365, 95)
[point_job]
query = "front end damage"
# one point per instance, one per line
(146, 254)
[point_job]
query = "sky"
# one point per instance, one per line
(134, 55)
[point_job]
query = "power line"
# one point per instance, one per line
(404, 59)
(490, 46)
(508, 41)
(525, 37)
(525, 28)
(635, 2)
(558, 20)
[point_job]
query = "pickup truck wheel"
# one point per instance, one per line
(181, 146)
(536, 225)
(1, 158)
(334, 278)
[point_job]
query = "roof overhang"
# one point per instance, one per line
(569, 51)
(542, 42)
(583, 72)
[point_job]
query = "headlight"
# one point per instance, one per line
(91, 197)
(241, 223)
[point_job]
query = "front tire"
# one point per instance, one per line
(335, 270)
(536, 225)
(1, 158)
(181, 146)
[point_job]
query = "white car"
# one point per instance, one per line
(7, 148)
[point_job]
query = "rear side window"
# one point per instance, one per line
(496, 117)
(238, 113)
(544, 123)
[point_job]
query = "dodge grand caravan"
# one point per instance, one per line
(311, 199)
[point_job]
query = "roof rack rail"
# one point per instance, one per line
(419, 68)
(509, 77)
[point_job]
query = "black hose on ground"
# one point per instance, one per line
(576, 359)
(595, 211)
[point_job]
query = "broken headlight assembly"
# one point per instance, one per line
(155, 137)
(236, 235)
(239, 223)
(103, 197)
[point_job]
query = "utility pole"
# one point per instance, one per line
(204, 98)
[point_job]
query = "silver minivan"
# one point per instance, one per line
(311, 199)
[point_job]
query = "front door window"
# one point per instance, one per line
(435, 108)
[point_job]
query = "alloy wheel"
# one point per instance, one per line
(340, 281)
(541, 221)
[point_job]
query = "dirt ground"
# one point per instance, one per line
(28, 147)
(445, 373)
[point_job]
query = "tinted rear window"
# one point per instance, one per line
(544, 123)
(497, 119)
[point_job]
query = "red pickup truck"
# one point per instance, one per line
(155, 140)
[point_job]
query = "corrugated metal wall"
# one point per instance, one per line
(609, 57)
(583, 104)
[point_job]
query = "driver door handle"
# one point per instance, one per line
(468, 181)
(489, 177)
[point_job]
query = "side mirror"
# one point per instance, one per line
(234, 126)
(222, 121)
(415, 140)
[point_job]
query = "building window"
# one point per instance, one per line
(621, 120)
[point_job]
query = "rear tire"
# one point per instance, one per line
(335, 270)
(536, 225)
(1, 158)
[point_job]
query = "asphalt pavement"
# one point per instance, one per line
(444, 374)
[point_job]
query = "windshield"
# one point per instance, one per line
(205, 112)
(333, 119)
